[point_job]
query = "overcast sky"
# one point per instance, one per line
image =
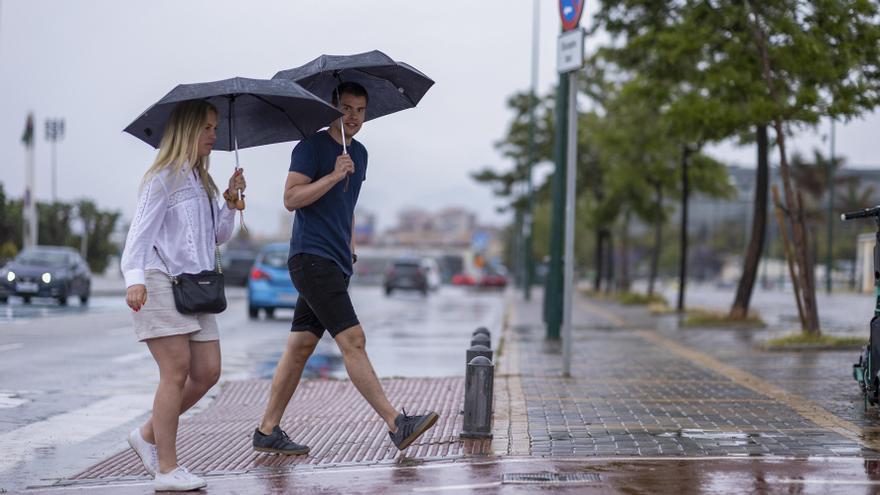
(100, 63)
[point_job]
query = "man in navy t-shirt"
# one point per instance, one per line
(322, 187)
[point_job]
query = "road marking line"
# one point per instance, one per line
(11, 347)
(69, 428)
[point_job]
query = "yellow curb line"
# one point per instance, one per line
(511, 428)
(805, 408)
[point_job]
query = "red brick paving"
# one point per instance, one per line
(329, 416)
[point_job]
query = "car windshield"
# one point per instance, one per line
(406, 267)
(275, 259)
(43, 258)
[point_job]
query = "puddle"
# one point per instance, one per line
(728, 438)
(9, 400)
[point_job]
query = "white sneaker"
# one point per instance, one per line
(179, 480)
(145, 450)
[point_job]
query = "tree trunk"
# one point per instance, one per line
(624, 281)
(740, 307)
(786, 247)
(685, 192)
(658, 239)
(597, 281)
(609, 261)
(810, 315)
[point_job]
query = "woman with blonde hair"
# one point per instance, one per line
(175, 230)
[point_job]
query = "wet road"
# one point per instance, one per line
(74, 381)
(521, 476)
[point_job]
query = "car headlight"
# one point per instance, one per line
(10, 275)
(47, 277)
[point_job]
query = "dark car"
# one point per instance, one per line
(237, 266)
(406, 274)
(46, 271)
(269, 285)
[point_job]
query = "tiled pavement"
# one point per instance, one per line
(635, 390)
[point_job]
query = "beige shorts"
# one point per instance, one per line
(159, 318)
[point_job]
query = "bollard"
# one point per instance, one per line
(480, 339)
(483, 330)
(478, 350)
(478, 391)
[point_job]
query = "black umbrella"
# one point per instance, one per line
(392, 86)
(251, 112)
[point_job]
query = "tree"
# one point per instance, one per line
(735, 65)
(95, 244)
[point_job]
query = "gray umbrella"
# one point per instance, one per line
(392, 86)
(251, 112)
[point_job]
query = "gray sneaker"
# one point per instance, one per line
(277, 443)
(410, 427)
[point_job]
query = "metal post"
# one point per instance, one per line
(478, 390)
(478, 350)
(527, 219)
(829, 258)
(481, 339)
(553, 286)
(568, 264)
(483, 330)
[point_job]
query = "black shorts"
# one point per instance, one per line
(323, 301)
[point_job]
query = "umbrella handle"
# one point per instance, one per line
(234, 136)
(342, 128)
(344, 152)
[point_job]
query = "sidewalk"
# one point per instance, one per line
(645, 399)
(639, 389)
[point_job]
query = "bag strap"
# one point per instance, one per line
(172, 277)
(217, 264)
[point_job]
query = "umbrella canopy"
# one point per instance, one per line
(251, 112)
(392, 86)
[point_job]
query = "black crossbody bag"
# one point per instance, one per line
(202, 292)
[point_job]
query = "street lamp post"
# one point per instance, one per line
(54, 133)
(829, 256)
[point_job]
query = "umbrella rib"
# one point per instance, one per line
(267, 102)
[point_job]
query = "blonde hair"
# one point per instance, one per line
(180, 143)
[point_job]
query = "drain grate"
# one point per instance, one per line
(548, 478)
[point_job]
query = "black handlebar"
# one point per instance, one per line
(867, 212)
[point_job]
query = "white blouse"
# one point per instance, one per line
(173, 214)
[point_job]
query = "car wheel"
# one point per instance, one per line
(4, 300)
(253, 312)
(62, 301)
(388, 291)
(84, 299)
(270, 312)
(27, 299)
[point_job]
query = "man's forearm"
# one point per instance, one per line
(303, 195)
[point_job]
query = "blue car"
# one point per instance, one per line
(269, 285)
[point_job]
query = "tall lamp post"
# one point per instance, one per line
(54, 133)
(829, 257)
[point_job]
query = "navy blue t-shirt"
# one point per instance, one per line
(323, 228)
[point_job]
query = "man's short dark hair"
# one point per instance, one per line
(351, 88)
